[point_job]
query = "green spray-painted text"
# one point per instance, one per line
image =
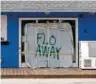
(47, 47)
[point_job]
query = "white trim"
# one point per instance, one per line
(48, 18)
(76, 35)
(19, 42)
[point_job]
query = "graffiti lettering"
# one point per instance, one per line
(45, 51)
(47, 48)
(52, 51)
(38, 50)
(52, 39)
(41, 36)
(58, 50)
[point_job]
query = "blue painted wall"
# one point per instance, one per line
(9, 53)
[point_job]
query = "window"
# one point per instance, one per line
(3, 28)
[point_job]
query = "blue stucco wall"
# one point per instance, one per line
(10, 53)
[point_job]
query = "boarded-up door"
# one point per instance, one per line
(49, 44)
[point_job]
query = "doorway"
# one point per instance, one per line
(48, 42)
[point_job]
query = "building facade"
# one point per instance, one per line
(45, 34)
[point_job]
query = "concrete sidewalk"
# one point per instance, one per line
(49, 81)
(47, 73)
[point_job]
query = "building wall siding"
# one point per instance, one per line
(48, 6)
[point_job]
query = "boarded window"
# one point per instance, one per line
(3, 27)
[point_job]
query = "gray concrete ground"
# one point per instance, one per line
(49, 81)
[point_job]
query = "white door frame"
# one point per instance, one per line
(76, 35)
(20, 42)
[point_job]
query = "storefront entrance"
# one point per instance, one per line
(48, 42)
